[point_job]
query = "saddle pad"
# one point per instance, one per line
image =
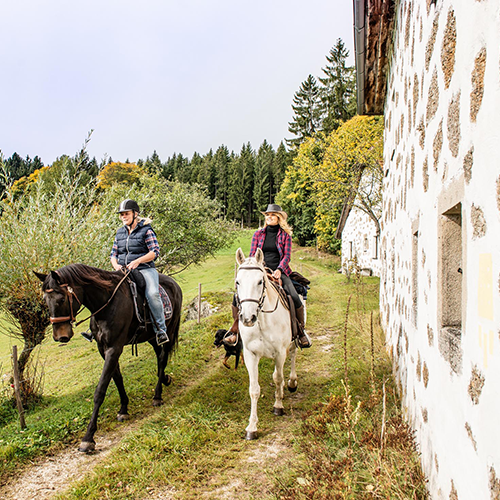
(167, 304)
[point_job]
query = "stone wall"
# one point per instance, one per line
(440, 250)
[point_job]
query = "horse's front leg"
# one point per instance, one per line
(118, 379)
(292, 381)
(279, 383)
(252, 364)
(111, 356)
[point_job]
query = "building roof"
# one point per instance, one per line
(373, 24)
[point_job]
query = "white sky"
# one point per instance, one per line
(175, 76)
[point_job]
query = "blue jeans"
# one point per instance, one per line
(154, 299)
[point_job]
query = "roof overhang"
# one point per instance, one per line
(373, 24)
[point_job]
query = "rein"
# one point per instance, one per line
(71, 293)
(259, 302)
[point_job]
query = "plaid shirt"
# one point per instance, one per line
(284, 244)
(150, 240)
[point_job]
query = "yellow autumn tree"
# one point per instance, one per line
(119, 173)
(23, 185)
(296, 195)
(351, 172)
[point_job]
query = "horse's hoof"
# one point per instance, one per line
(86, 447)
(249, 436)
(292, 389)
(278, 411)
(157, 402)
(167, 380)
(121, 417)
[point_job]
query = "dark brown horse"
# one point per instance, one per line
(113, 324)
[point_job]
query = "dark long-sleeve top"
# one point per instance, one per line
(283, 243)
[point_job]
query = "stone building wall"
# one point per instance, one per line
(440, 279)
(360, 243)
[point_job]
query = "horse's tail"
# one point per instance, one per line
(173, 326)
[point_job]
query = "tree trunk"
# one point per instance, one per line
(33, 319)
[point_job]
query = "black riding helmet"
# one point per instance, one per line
(128, 205)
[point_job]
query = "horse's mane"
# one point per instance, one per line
(252, 261)
(81, 274)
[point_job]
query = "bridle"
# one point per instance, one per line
(260, 301)
(71, 293)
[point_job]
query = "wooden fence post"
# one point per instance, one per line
(199, 302)
(17, 390)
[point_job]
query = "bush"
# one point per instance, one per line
(188, 224)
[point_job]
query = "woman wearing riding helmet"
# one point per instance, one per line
(275, 241)
(136, 247)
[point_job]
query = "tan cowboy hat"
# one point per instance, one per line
(273, 208)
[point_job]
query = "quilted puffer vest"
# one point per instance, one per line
(132, 246)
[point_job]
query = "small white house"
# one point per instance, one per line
(360, 243)
(432, 68)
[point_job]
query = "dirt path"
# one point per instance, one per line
(52, 475)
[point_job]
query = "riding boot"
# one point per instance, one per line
(303, 339)
(231, 337)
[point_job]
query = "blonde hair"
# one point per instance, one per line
(282, 223)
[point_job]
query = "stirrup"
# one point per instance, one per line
(298, 343)
(87, 335)
(162, 338)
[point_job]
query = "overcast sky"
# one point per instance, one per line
(172, 76)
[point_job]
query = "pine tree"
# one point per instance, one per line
(240, 201)
(15, 167)
(153, 165)
(247, 158)
(280, 163)
(262, 193)
(338, 89)
(308, 110)
(168, 168)
(193, 168)
(205, 175)
(221, 168)
(181, 168)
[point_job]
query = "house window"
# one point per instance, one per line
(450, 274)
(365, 244)
(375, 248)
(351, 250)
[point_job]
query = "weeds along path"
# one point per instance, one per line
(193, 446)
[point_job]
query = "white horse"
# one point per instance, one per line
(265, 329)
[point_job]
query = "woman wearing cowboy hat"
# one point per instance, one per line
(275, 241)
(136, 247)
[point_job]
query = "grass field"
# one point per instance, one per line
(328, 445)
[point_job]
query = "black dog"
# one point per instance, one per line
(231, 350)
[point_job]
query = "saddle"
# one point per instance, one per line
(287, 301)
(137, 285)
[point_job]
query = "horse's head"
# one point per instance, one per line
(59, 299)
(250, 285)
